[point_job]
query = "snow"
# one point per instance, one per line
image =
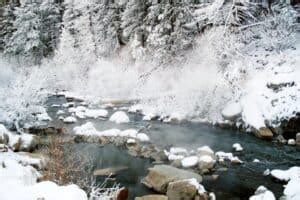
(172, 157)
(119, 117)
(131, 141)
(83, 112)
(190, 161)
(143, 137)
(70, 120)
(25, 139)
(205, 150)
(237, 147)
(291, 142)
(286, 175)
(60, 112)
(262, 193)
(292, 175)
(90, 130)
(200, 188)
(228, 156)
(232, 111)
(43, 117)
(178, 151)
(256, 160)
(17, 173)
(206, 159)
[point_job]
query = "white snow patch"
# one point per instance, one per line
(43, 117)
(143, 137)
(190, 161)
(119, 117)
(263, 193)
(237, 147)
(178, 150)
(70, 120)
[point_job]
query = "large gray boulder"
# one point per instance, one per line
(160, 176)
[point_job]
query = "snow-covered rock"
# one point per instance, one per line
(286, 175)
(119, 117)
(232, 111)
(237, 147)
(178, 151)
(172, 157)
(96, 113)
(292, 176)
(190, 161)
(131, 141)
(70, 120)
(263, 193)
(143, 137)
(43, 117)
(291, 142)
(256, 160)
(206, 162)
(205, 150)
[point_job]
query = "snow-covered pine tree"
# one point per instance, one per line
(106, 25)
(168, 35)
(7, 18)
(133, 18)
(25, 42)
(36, 28)
(51, 17)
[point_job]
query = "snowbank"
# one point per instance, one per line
(292, 175)
(17, 173)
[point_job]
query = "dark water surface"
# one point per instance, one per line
(237, 182)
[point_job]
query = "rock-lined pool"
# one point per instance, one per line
(233, 182)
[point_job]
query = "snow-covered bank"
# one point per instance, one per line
(292, 176)
(16, 172)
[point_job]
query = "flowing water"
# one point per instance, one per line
(236, 182)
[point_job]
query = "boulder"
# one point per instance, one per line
(111, 171)
(206, 151)
(206, 163)
(152, 197)
(181, 190)
(264, 133)
(122, 194)
(160, 176)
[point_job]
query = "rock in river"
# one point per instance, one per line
(152, 197)
(109, 171)
(160, 176)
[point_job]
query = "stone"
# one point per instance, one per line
(181, 190)
(160, 176)
(206, 163)
(122, 194)
(111, 171)
(264, 133)
(152, 197)
(291, 142)
(206, 151)
(280, 139)
(298, 139)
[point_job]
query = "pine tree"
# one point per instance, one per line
(106, 25)
(6, 24)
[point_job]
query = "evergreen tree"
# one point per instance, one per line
(6, 23)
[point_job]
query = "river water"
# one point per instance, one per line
(234, 182)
